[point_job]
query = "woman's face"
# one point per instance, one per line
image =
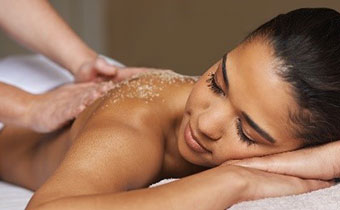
(239, 108)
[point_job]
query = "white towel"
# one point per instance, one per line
(325, 199)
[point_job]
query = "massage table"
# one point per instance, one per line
(36, 74)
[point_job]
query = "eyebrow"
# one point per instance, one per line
(257, 128)
(251, 122)
(224, 70)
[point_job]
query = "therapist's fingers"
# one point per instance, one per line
(54, 109)
(124, 73)
(83, 97)
(104, 68)
(96, 70)
(100, 70)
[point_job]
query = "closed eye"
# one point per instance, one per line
(243, 137)
(212, 84)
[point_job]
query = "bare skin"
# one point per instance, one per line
(130, 139)
(58, 143)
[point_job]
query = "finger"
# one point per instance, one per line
(83, 85)
(99, 79)
(264, 163)
(126, 73)
(318, 184)
(73, 112)
(92, 95)
(106, 86)
(280, 163)
(85, 73)
(230, 162)
(105, 68)
(301, 163)
(79, 107)
(258, 163)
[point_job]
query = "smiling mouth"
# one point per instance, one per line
(191, 141)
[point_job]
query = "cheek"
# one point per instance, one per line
(199, 95)
(232, 148)
(229, 148)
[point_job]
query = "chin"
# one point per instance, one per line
(191, 156)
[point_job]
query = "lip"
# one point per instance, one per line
(191, 141)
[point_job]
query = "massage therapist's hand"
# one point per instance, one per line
(54, 109)
(256, 184)
(321, 162)
(100, 70)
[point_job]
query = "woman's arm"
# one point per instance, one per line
(217, 189)
(207, 190)
(320, 162)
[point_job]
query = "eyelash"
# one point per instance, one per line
(216, 89)
(240, 133)
(213, 85)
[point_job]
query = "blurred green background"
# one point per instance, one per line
(184, 35)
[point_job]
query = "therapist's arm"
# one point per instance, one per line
(37, 26)
(49, 111)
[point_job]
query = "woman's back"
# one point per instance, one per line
(155, 96)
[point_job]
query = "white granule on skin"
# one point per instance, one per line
(147, 86)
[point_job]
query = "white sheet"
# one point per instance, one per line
(22, 71)
(16, 198)
(325, 199)
(13, 197)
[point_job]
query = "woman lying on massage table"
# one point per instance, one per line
(277, 91)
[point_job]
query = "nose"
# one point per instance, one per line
(212, 124)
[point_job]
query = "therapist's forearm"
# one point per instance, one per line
(14, 104)
(36, 25)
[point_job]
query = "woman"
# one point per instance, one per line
(276, 92)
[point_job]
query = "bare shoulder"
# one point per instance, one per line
(146, 106)
(120, 138)
(148, 98)
(135, 117)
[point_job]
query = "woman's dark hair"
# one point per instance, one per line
(306, 42)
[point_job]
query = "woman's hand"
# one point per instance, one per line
(101, 70)
(54, 109)
(259, 184)
(321, 162)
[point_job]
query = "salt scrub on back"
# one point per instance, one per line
(146, 86)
